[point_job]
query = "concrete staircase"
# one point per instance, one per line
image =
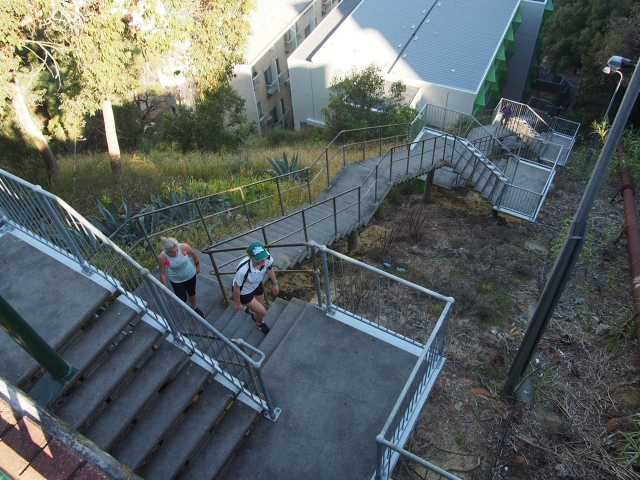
(137, 394)
(159, 411)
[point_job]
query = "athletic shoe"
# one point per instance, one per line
(264, 328)
(199, 312)
(250, 312)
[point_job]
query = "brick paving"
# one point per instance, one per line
(27, 452)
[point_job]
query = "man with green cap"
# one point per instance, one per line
(248, 291)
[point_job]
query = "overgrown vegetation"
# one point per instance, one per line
(360, 99)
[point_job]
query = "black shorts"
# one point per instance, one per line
(244, 299)
(183, 289)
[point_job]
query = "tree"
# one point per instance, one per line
(574, 33)
(216, 122)
(359, 99)
(96, 50)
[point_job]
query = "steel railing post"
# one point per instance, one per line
(391, 165)
(309, 184)
(344, 156)
(363, 142)
(162, 306)
(326, 155)
(204, 225)
(71, 245)
(264, 235)
(359, 205)
(375, 188)
(316, 275)
(327, 285)
(223, 289)
(433, 152)
(146, 237)
(246, 209)
(272, 413)
(380, 142)
(379, 466)
(279, 195)
(25, 336)
(408, 157)
(304, 226)
(335, 217)
(421, 154)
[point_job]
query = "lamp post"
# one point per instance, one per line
(614, 64)
(609, 70)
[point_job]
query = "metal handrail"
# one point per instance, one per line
(396, 307)
(51, 221)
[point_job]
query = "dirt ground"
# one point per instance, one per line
(585, 375)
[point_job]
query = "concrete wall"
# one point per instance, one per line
(525, 43)
(243, 84)
(272, 53)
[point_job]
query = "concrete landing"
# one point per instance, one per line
(52, 298)
(336, 387)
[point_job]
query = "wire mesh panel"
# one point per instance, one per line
(383, 301)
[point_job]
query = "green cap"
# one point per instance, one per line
(257, 251)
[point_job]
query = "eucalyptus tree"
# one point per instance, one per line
(96, 50)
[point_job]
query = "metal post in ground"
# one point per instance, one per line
(633, 240)
(568, 256)
(59, 371)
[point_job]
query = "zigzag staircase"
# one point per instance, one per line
(512, 166)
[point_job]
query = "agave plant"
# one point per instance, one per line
(183, 208)
(282, 167)
(116, 222)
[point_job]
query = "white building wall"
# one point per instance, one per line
(525, 42)
(243, 84)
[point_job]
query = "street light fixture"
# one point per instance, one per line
(608, 70)
(614, 64)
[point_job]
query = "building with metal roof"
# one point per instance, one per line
(460, 54)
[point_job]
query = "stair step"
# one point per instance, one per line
(224, 319)
(287, 317)
(161, 416)
(221, 443)
(189, 434)
(98, 336)
(136, 395)
(88, 395)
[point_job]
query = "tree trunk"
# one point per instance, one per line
(28, 125)
(112, 140)
(428, 188)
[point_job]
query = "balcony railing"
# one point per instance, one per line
(292, 39)
(327, 6)
(283, 77)
(282, 121)
(273, 87)
(257, 80)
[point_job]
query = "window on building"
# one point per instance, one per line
(268, 77)
(274, 115)
(278, 71)
(307, 31)
(260, 114)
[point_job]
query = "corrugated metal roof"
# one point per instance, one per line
(268, 21)
(450, 42)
